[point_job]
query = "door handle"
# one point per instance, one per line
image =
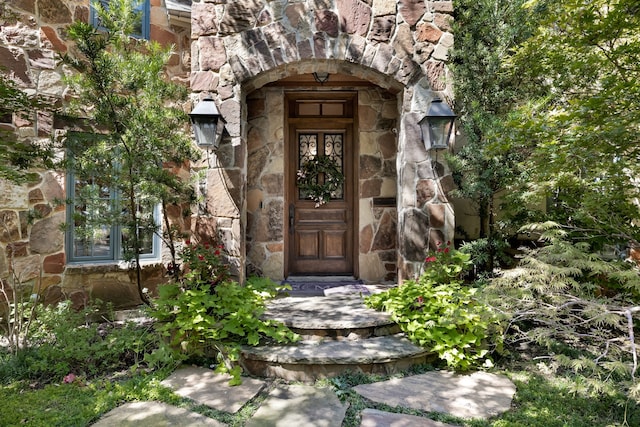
(291, 217)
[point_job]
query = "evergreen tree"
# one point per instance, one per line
(485, 31)
(139, 128)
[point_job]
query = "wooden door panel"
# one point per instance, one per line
(335, 244)
(321, 238)
(307, 244)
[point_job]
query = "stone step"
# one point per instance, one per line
(331, 318)
(308, 361)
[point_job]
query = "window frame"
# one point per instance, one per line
(143, 5)
(115, 252)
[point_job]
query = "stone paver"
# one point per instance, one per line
(154, 414)
(375, 418)
(372, 350)
(479, 395)
(340, 311)
(298, 406)
(208, 388)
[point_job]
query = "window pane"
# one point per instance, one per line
(91, 219)
(142, 10)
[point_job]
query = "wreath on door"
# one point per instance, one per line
(309, 179)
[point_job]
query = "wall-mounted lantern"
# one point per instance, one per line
(208, 123)
(437, 125)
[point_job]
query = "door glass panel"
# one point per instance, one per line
(329, 144)
(333, 148)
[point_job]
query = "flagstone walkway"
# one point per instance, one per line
(479, 395)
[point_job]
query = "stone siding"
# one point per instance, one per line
(31, 216)
(400, 46)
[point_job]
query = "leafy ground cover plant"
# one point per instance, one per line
(205, 314)
(577, 307)
(437, 311)
(63, 343)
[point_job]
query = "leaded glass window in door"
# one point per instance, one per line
(330, 145)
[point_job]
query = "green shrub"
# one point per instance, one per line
(437, 312)
(203, 316)
(64, 342)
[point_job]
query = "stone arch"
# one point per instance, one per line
(239, 47)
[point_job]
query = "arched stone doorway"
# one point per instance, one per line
(249, 55)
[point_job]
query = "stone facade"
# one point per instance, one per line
(32, 37)
(399, 46)
(239, 52)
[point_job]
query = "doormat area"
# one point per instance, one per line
(311, 288)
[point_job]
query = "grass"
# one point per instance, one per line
(541, 400)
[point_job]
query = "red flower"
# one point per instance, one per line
(217, 252)
(201, 257)
(446, 250)
(206, 246)
(430, 259)
(448, 242)
(439, 250)
(420, 300)
(187, 242)
(438, 244)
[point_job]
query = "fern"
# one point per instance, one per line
(565, 296)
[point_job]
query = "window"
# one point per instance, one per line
(95, 214)
(141, 7)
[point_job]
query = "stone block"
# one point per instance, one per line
(427, 32)
(9, 226)
(27, 268)
(388, 144)
(50, 35)
(238, 17)
(212, 53)
(412, 10)
(382, 29)
(15, 61)
(17, 249)
(371, 188)
(46, 236)
(443, 21)
(370, 166)
(385, 238)
(273, 184)
(273, 268)
(384, 7)
(54, 264)
(319, 45)
(22, 34)
(356, 48)
(383, 57)
(42, 59)
(479, 395)
(327, 21)
(54, 12)
(203, 19)
(355, 16)
(203, 81)
(13, 196)
(366, 237)
(371, 269)
(426, 190)
(295, 13)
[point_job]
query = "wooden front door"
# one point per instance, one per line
(320, 238)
